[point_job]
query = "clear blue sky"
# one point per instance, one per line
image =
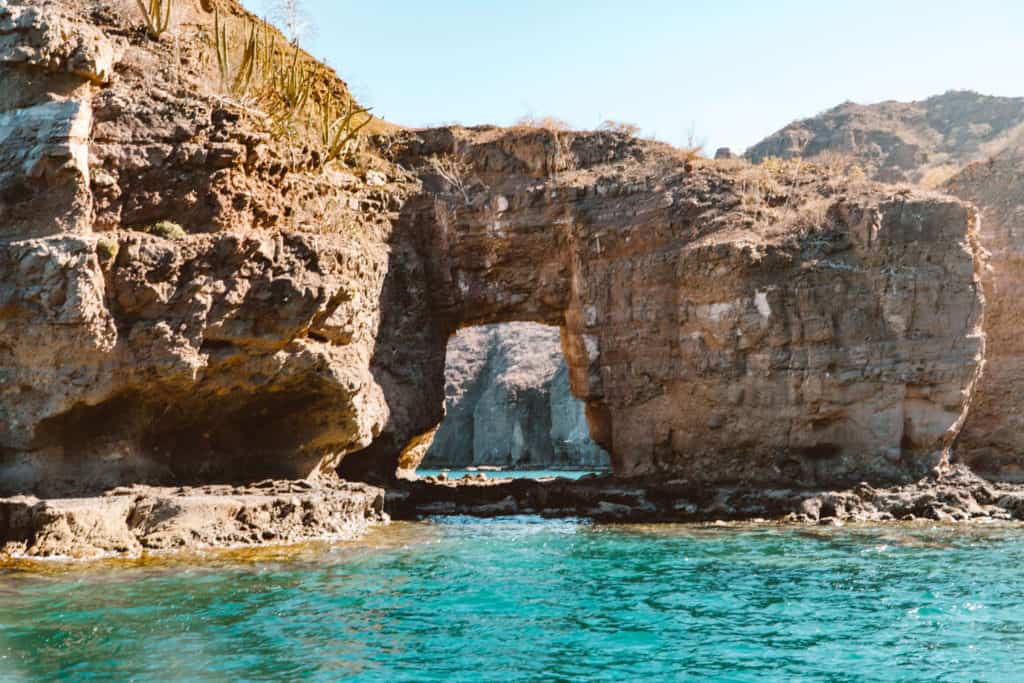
(735, 70)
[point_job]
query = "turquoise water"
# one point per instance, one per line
(507, 474)
(529, 599)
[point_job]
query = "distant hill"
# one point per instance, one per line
(922, 142)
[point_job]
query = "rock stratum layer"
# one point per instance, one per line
(972, 146)
(719, 321)
(992, 441)
(508, 403)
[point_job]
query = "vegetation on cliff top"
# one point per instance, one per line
(302, 102)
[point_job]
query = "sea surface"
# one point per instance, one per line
(510, 599)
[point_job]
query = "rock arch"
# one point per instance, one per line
(722, 322)
(705, 343)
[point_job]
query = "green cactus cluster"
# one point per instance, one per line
(339, 127)
(291, 89)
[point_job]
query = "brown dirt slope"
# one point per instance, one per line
(920, 142)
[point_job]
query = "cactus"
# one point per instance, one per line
(158, 16)
(336, 132)
(292, 84)
(237, 84)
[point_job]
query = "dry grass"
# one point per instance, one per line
(622, 127)
(936, 177)
(543, 122)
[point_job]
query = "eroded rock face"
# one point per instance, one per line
(992, 441)
(127, 357)
(706, 338)
(131, 520)
(239, 350)
(508, 403)
(718, 324)
(979, 141)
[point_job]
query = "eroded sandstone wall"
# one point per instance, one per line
(234, 347)
(972, 146)
(992, 441)
(720, 324)
(834, 336)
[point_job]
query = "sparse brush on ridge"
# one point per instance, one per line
(338, 130)
(295, 92)
(623, 127)
(157, 14)
(545, 122)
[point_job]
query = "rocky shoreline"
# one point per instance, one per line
(131, 520)
(954, 494)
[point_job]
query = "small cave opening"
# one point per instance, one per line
(509, 409)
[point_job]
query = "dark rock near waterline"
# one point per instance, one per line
(955, 495)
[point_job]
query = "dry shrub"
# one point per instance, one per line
(453, 171)
(734, 164)
(834, 161)
(545, 122)
(622, 127)
(934, 178)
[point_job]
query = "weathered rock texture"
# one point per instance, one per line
(992, 441)
(508, 403)
(930, 141)
(955, 495)
(720, 321)
(815, 332)
(926, 141)
(135, 358)
(239, 352)
(141, 518)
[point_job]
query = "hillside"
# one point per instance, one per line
(920, 142)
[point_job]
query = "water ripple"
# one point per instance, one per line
(464, 599)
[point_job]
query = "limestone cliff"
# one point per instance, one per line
(720, 322)
(508, 403)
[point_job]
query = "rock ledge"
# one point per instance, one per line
(129, 520)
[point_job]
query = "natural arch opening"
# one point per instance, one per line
(509, 410)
